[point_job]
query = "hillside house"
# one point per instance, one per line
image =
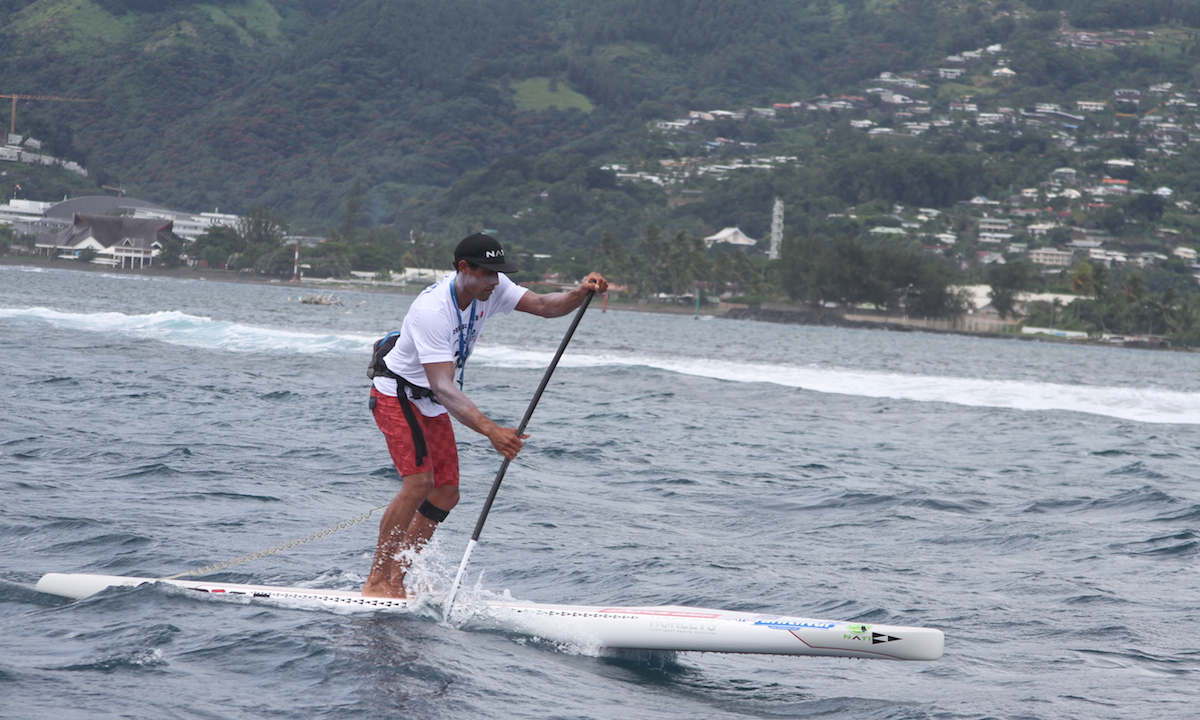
(1050, 256)
(987, 224)
(117, 241)
(1110, 258)
(1128, 95)
(894, 98)
(673, 125)
(1064, 175)
(1040, 229)
(1147, 258)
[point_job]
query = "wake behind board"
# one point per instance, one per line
(666, 628)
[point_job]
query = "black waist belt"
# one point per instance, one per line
(410, 415)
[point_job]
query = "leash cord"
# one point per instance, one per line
(317, 535)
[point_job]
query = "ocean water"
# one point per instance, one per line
(1037, 502)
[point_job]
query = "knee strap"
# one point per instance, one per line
(433, 512)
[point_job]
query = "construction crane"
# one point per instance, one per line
(12, 128)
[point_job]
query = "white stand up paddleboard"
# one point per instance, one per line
(666, 628)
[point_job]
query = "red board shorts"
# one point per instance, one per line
(439, 441)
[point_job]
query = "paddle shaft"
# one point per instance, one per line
(487, 505)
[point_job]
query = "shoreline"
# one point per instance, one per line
(801, 316)
(326, 286)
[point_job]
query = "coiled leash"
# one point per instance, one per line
(282, 546)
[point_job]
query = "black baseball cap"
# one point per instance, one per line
(484, 251)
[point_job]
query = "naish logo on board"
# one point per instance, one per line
(864, 633)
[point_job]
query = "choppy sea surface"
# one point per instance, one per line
(1037, 502)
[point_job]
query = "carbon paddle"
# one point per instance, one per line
(487, 505)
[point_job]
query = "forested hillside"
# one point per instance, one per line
(622, 132)
(286, 103)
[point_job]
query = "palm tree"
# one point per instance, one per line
(1162, 308)
(1100, 278)
(1082, 279)
(1082, 282)
(1133, 289)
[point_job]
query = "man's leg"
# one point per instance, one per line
(387, 572)
(443, 499)
(420, 529)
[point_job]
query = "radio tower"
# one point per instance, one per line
(776, 230)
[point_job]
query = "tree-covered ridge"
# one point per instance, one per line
(287, 102)
(402, 125)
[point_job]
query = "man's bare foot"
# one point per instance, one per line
(379, 589)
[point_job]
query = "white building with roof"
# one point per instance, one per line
(190, 226)
(1050, 256)
(30, 216)
(1040, 229)
(1108, 257)
(23, 211)
(732, 236)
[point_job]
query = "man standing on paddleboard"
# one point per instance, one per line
(437, 337)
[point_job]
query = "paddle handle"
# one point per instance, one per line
(487, 505)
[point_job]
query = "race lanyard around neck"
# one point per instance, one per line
(462, 337)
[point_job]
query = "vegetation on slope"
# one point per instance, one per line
(527, 117)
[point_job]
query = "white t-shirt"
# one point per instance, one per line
(433, 331)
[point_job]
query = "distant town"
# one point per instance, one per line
(889, 107)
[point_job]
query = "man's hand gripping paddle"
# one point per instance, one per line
(487, 506)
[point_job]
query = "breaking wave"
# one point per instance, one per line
(1126, 403)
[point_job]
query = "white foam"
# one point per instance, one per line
(1126, 403)
(179, 328)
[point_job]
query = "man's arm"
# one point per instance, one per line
(560, 303)
(456, 402)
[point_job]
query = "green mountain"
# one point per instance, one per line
(504, 114)
(286, 103)
(914, 143)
